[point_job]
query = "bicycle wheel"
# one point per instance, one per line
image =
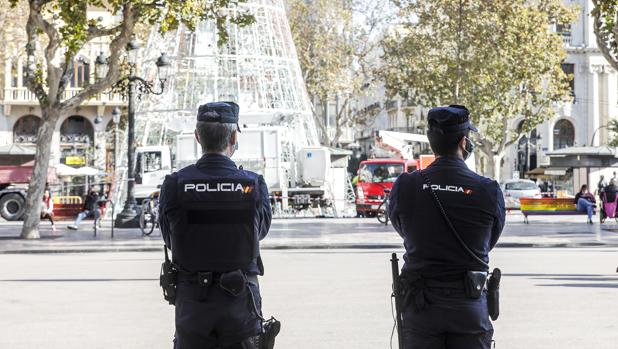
(146, 219)
(382, 214)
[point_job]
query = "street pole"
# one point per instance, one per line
(115, 148)
(527, 155)
(129, 217)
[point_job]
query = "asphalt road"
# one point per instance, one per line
(551, 298)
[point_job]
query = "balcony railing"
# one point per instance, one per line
(17, 95)
(567, 39)
(28, 139)
(75, 139)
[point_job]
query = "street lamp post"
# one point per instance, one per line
(116, 119)
(129, 217)
(595, 133)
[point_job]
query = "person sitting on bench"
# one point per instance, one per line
(90, 208)
(585, 202)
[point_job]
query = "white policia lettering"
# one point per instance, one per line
(452, 188)
(202, 187)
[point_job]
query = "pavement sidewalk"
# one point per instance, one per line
(311, 233)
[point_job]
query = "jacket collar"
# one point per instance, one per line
(218, 160)
(449, 160)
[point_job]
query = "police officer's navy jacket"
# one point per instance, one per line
(213, 215)
(474, 204)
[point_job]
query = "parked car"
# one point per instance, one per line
(516, 189)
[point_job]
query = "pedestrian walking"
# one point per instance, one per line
(47, 208)
(212, 216)
(601, 185)
(447, 238)
(585, 202)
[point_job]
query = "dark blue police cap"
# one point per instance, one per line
(450, 119)
(221, 112)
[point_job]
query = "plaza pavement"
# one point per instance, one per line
(314, 233)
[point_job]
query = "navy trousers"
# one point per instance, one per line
(208, 317)
(449, 320)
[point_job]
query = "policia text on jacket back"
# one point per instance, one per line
(213, 216)
(444, 301)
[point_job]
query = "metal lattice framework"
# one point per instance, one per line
(257, 68)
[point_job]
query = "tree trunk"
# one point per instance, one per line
(493, 166)
(32, 216)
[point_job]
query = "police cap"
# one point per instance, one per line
(221, 112)
(451, 119)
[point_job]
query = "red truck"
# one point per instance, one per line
(376, 175)
(13, 186)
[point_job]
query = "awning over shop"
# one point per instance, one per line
(66, 171)
(17, 149)
(548, 171)
(588, 151)
(556, 171)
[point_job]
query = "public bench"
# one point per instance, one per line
(67, 207)
(548, 207)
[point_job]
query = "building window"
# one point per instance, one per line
(564, 30)
(564, 134)
(76, 140)
(81, 73)
(569, 70)
(25, 129)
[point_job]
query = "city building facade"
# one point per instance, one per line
(83, 136)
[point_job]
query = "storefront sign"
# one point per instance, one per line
(75, 160)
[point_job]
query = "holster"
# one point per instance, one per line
(167, 280)
(271, 329)
(411, 288)
(493, 294)
(475, 283)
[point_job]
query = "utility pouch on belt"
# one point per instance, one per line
(475, 283)
(493, 294)
(233, 282)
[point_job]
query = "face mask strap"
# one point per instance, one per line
(468, 148)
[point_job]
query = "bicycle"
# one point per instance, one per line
(382, 213)
(149, 215)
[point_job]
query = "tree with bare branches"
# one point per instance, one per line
(338, 45)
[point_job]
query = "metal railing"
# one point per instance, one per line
(23, 95)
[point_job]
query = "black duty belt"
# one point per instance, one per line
(207, 278)
(413, 288)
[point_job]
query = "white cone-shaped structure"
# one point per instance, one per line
(257, 68)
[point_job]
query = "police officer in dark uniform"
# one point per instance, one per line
(439, 308)
(212, 216)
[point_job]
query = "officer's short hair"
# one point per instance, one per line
(444, 144)
(214, 136)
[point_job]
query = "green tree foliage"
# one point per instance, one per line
(336, 41)
(55, 32)
(499, 58)
(605, 14)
